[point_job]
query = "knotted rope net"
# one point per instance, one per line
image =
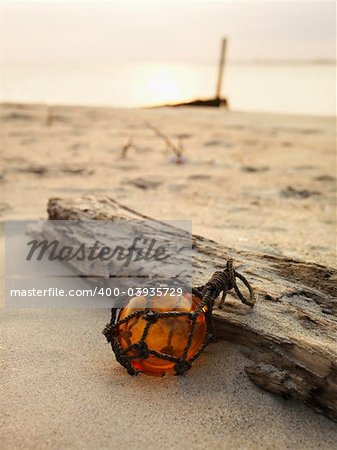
(199, 317)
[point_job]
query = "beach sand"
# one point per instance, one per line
(259, 182)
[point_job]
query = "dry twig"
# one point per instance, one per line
(128, 144)
(177, 149)
(49, 116)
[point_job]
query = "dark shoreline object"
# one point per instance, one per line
(289, 337)
(209, 102)
(217, 101)
(220, 282)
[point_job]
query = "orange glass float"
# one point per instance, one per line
(165, 334)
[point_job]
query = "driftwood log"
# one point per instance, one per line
(290, 334)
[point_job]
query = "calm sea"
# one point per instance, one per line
(286, 88)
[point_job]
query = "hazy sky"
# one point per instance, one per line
(94, 32)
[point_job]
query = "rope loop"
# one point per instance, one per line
(224, 281)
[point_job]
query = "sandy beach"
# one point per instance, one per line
(259, 182)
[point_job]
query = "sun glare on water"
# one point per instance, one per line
(163, 86)
(166, 84)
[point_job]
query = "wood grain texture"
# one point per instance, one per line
(290, 334)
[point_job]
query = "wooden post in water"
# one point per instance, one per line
(221, 68)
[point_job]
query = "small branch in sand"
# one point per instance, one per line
(178, 150)
(181, 143)
(126, 146)
(49, 116)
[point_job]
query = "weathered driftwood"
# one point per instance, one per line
(290, 334)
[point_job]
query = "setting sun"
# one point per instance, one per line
(163, 85)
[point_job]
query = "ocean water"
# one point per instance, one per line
(282, 88)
